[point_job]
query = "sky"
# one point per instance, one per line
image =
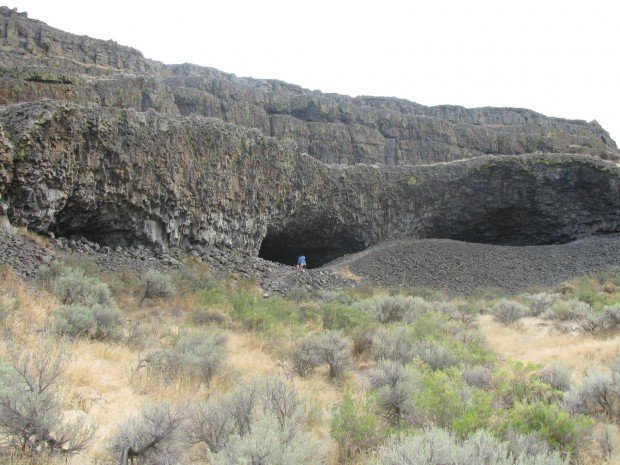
(560, 58)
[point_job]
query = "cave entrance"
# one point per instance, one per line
(320, 245)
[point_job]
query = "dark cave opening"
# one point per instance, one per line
(320, 246)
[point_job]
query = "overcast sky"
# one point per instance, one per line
(561, 58)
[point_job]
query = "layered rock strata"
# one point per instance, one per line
(128, 177)
(99, 142)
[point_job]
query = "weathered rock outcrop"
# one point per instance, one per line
(97, 141)
(122, 176)
(38, 61)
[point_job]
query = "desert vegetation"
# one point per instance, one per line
(177, 368)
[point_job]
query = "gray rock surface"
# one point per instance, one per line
(99, 143)
(459, 267)
(37, 61)
(122, 177)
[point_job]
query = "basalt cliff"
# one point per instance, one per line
(100, 142)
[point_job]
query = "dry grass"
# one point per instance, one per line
(346, 273)
(99, 378)
(535, 341)
(41, 241)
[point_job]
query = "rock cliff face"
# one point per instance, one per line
(37, 61)
(97, 141)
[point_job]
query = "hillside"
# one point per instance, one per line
(461, 303)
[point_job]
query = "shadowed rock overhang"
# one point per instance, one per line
(98, 141)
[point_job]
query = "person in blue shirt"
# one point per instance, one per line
(301, 261)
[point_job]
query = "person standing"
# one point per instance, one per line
(301, 261)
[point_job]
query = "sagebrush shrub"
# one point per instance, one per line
(211, 425)
(556, 375)
(156, 286)
(362, 341)
(508, 312)
(329, 347)
(306, 356)
(435, 354)
(335, 352)
(30, 405)
(393, 344)
(74, 321)
(269, 443)
(607, 321)
(199, 355)
(479, 376)
(395, 387)
(154, 437)
(527, 444)
(281, 399)
(96, 322)
(73, 287)
(607, 439)
(388, 309)
(230, 428)
(568, 310)
(540, 303)
(598, 396)
(439, 447)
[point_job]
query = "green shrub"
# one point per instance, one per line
(156, 286)
(557, 427)
(586, 290)
(274, 315)
(354, 427)
(446, 401)
(520, 383)
(213, 297)
(343, 317)
(429, 325)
